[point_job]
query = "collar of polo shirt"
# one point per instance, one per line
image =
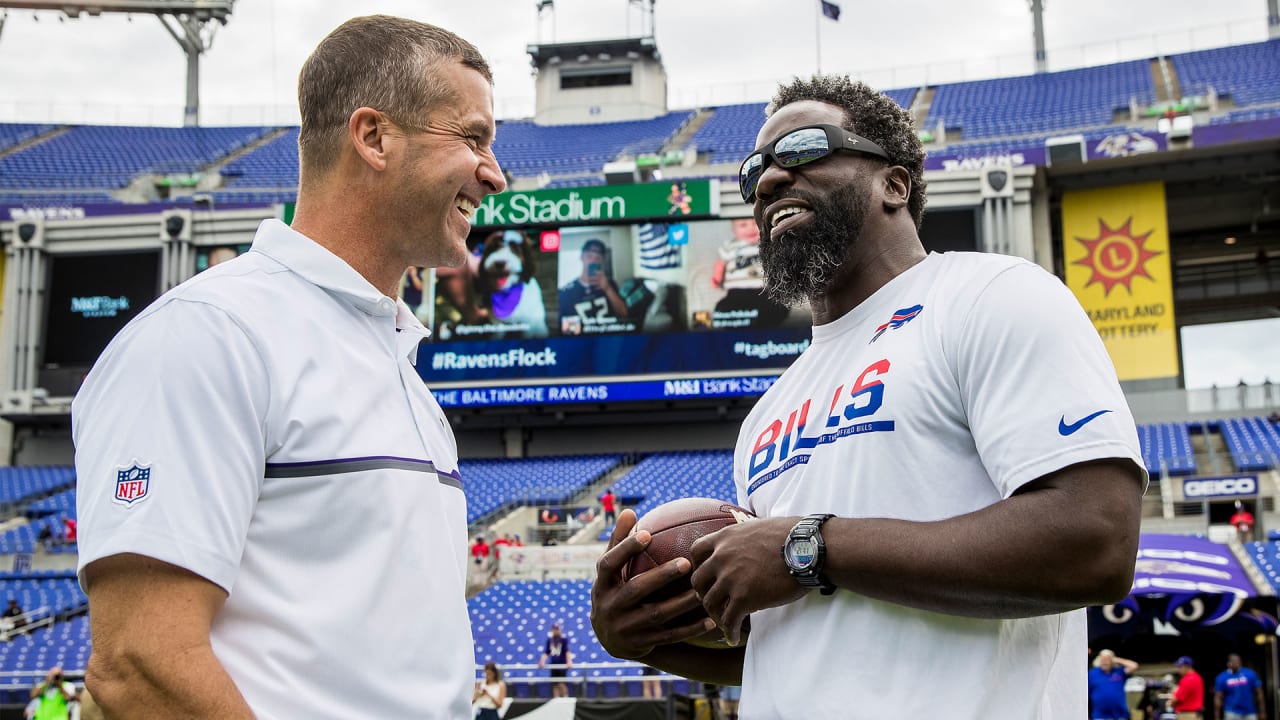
(318, 265)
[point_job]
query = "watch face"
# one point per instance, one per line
(801, 553)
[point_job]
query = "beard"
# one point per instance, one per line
(805, 262)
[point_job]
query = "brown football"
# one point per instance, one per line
(675, 526)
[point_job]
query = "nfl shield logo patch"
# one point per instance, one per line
(132, 483)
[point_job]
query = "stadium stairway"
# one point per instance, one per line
(29, 142)
(1164, 80)
(590, 532)
(214, 168)
(682, 137)
(920, 108)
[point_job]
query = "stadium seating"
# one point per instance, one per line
(663, 477)
(510, 622)
(66, 644)
(63, 503)
(43, 198)
(1167, 446)
(1254, 443)
(1245, 73)
(274, 165)
(1266, 555)
(1246, 115)
(1040, 103)
(991, 116)
(730, 133)
(57, 590)
(105, 157)
(20, 483)
(26, 538)
(525, 148)
(14, 133)
(493, 484)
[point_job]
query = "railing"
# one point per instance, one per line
(26, 679)
(577, 682)
(26, 622)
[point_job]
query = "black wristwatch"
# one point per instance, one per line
(805, 553)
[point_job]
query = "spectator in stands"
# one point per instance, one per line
(972, 518)
(490, 693)
(46, 536)
(54, 693)
(286, 445)
(1242, 521)
(1188, 697)
(501, 542)
(14, 614)
(69, 530)
(557, 653)
(593, 296)
(1237, 693)
(1274, 417)
(480, 551)
(1106, 686)
(609, 503)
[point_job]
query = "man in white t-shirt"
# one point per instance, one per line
(260, 468)
(943, 480)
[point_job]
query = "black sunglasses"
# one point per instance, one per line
(801, 147)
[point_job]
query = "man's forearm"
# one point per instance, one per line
(1047, 551)
(191, 685)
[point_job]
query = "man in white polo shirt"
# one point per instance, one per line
(261, 470)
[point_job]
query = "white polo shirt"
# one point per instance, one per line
(262, 426)
(951, 387)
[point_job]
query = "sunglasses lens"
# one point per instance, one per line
(802, 146)
(749, 176)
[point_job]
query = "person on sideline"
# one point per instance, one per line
(1237, 693)
(1106, 686)
(557, 653)
(490, 693)
(949, 471)
(1188, 697)
(259, 464)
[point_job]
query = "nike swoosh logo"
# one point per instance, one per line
(1065, 429)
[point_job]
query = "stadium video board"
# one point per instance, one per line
(605, 306)
(90, 298)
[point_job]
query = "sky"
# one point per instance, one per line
(112, 69)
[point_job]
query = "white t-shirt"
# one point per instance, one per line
(956, 383)
(262, 426)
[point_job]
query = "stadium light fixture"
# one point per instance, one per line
(187, 21)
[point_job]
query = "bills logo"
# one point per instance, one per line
(783, 444)
(900, 318)
(133, 483)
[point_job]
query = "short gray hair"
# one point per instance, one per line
(375, 61)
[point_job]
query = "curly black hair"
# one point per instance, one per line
(871, 115)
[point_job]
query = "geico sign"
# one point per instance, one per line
(1220, 486)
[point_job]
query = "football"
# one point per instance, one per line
(675, 526)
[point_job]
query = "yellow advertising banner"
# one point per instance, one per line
(1116, 246)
